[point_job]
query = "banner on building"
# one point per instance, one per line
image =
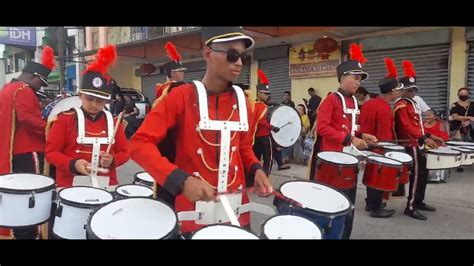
(23, 36)
(313, 59)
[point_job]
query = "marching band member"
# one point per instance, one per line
(376, 119)
(74, 156)
(22, 135)
(336, 129)
(210, 124)
(409, 126)
(174, 70)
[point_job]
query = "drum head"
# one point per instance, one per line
(222, 231)
(384, 160)
(290, 227)
(381, 143)
(133, 218)
(64, 105)
(289, 122)
(461, 149)
(393, 147)
(134, 191)
(85, 196)
(25, 183)
(145, 177)
(338, 157)
(399, 156)
(316, 196)
(459, 143)
(444, 151)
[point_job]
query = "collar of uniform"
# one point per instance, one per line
(343, 92)
(93, 119)
(228, 89)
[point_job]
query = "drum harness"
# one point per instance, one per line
(230, 205)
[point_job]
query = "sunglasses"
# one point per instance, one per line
(233, 55)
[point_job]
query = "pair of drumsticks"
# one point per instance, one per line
(251, 190)
(105, 170)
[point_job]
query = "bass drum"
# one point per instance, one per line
(60, 105)
(289, 122)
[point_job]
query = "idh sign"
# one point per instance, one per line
(25, 36)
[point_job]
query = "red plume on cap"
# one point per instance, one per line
(263, 78)
(409, 69)
(172, 52)
(391, 67)
(356, 53)
(105, 57)
(47, 59)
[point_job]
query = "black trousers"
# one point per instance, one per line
(418, 178)
(374, 199)
(263, 147)
(351, 194)
(32, 163)
(276, 154)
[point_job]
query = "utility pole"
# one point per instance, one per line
(62, 62)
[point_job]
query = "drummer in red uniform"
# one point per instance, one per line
(409, 129)
(22, 134)
(336, 128)
(376, 119)
(209, 158)
(64, 150)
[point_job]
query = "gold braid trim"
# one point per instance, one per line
(163, 95)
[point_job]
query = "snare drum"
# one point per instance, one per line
(337, 169)
(144, 179)
(289, 122)
(392, 147)
(74, 208)
(133, 191)
(382, 143)
(442, 158)
(290, 227)
(406, 161)
(465, 155)
(323, 205)
(459, 143)
(133, 218)
(382, 173)
(223, 231)
(471, 148)
(25, 199)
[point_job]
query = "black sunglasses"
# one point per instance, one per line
(233, 55)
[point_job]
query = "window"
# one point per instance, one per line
(9, 65)
(20, 61)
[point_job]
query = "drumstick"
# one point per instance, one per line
(252, 190)
(358, 151)
(115, 131)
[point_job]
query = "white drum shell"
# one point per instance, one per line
(442, 161)
(16, 194)
(71, 221)
(15, 211)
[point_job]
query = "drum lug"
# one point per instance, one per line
(59, 210)
(339, 169)
(379, 171)
(31, 201)
(330, 221)
(438, 158)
